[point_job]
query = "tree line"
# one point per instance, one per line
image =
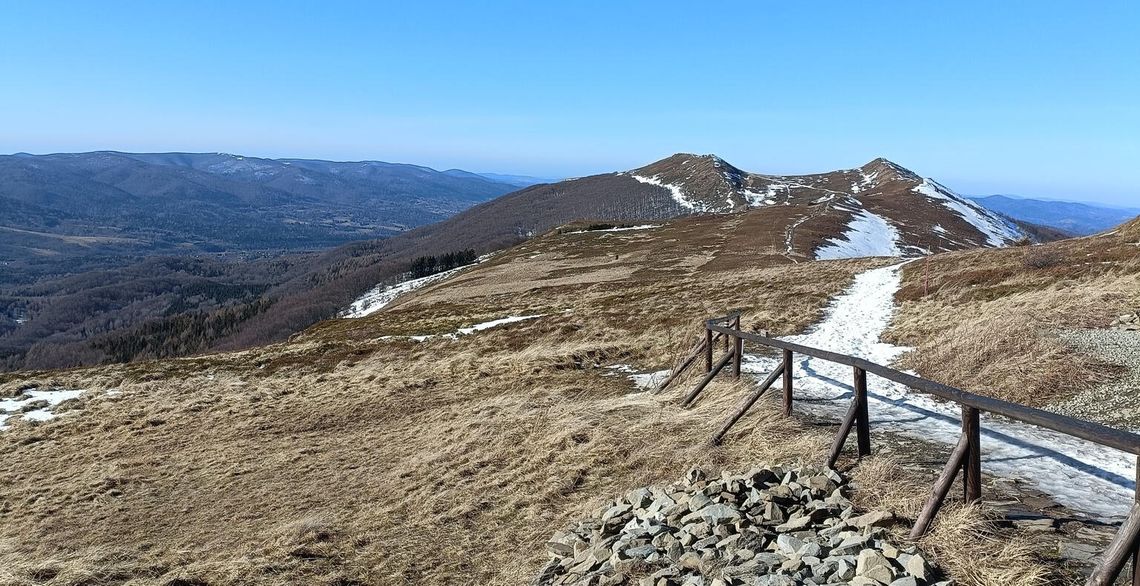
(424, 266)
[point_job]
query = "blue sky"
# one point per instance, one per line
(1032, 98)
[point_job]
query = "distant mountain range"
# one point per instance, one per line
(1078, 219)
(169, 306)
(75, 209)
(516, 180)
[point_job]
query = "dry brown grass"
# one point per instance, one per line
(987, 320)
(964, 539)
(340, 458)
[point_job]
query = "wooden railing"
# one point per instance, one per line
(966, 456)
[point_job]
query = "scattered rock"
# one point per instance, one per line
(1078, 551)
(770, 527)
(1038, 525)
(1129, 322)
(872, 519)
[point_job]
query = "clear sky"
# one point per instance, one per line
(1033, 98)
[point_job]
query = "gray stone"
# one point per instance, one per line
(560, 549)
(616, 511)
(844, 570)
(690, 560)
(872, 564)
(916, 566)
(698, 501)
(774, 580)
(713, 514)
(640, 552)
(788, 544)
(794, 524)
(811, 549)
(872, 519)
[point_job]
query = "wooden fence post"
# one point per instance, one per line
(787, 383)
(862, 422)
(737, 354)
(692, 396)
(708, 348)
(1118, 551)
(972, 467)
(841, 435)
(1136, 547)
(685, 364)
(747, 404)
(941, 489)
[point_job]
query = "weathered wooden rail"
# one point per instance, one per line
(966, 456)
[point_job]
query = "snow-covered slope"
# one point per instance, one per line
(866, 235)
(998, 231)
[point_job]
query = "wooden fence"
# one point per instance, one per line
(966, 456)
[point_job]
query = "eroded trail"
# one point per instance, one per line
(1080, 475)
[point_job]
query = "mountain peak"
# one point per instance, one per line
(885, 170)
(690, 164)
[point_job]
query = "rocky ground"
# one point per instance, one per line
(1129, 322)
(768, 527)
(1113, 403)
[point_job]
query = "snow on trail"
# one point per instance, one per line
(1080, 475)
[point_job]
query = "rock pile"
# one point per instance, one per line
(1128, 322)
(769, 527)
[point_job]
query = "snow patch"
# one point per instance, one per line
(649, 380)
(866, 235)
(756, 199)
(1080, 475)
(624, 229)
(15, 406)
(642, 380)
(495, 323)
(674, 190)
(469, 330)
(381, 296)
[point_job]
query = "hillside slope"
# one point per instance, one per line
(879, 209)
(444, 439)
(1006, 320)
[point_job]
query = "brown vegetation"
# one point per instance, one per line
(344, 457)
(987, 321)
